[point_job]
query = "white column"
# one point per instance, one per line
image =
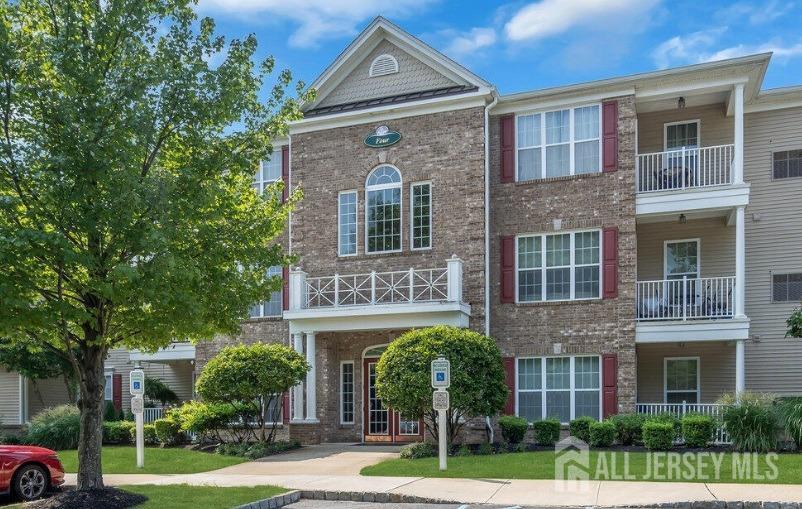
(740, 377)
(738, 162)
(297, 289)
(298, 390)
(311, 386)
(454, 279)
(740, 263)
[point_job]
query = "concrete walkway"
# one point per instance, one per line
(336, 467)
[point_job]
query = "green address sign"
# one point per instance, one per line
(382, 137)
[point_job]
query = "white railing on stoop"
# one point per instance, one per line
(714, 410)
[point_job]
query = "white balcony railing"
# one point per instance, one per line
(377, 288)
(685, 168)
(686, 298)
(679, 409)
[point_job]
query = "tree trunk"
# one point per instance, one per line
(90, 472)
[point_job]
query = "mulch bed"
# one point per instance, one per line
(109, 498)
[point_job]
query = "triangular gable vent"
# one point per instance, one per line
(383, 65)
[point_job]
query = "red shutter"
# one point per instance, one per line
(285, 171)
(509, 378)
(610, 385)
(507, 134)
(117, 391)
(610, 136)
(285, 289)
(285, 410)
(610, 262)
(507, 269)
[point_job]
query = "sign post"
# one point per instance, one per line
(441, 380)
(137, 388)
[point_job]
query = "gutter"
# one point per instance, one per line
(487, 210)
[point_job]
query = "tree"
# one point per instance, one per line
(38, 362)
(156, 390)
(257, 374)
(127, 217)
(794, 324)
(478, 388)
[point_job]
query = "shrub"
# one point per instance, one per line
(697, 429)
(463, 450)
(206, 420)
(667, 418)
(418, 450)
(109, 412)
(658, 436)
(149, 431)
(751, 421)
(791, 417)
(118, 432)
(628, 427)
(546, 432)
(513, 428)
(156, 390)
(484, 449)
(56, 428)
(580, 428)
(602, 434)
(256, 450)
(168, 431)
(11, 440)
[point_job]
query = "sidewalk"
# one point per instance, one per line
(490, 491)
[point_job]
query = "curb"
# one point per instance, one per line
(380, 497)
(721, 504)
(274, 502)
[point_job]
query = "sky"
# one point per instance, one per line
(526, 45)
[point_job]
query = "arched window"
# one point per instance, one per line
(383, 210)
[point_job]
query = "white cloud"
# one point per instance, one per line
(755, 13)
(316, 20)
(550, 17)
(465, 43)
(780, 51)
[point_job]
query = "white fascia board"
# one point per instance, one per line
(699, 199)
(546, 102)
(391, 112)
(691, 331)
(175, 352)
(690, 86)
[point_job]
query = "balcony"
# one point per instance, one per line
(378, 300)
(685, 169)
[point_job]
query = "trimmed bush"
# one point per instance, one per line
(602, 434)
(56, 428)
(546, 432)
(168, 431)
(580, 428)
(206, 420)
(667, 418)
(751, 420)
(628, 427)
(109, 412)
(418, 450)
(658, 436)
(513, 428)
(484, 449)
(118, 432)
(463, 450)
(256, 450)
(697, 430)
(149, 430)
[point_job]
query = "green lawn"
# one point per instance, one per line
(540, 465)
(183, 496)
(122, 460)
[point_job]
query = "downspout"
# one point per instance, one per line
(487, 210)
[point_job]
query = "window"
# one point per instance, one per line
(347, 392)
(383, 210)
(788, 164)
(108, 388)
(682, 259)
(273, 306)
(558, 143)
(683, 134)
(786, 287)
(269, 172)
(421, 215)
(682, 379)
(347, 223)
(564, 266)
(560, 387)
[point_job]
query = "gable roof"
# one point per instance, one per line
(380, 29)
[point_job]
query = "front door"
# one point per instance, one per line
(382, 424)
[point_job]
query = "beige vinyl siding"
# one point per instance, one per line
(412, 76)
(716, 246)
(45, 394)
(715, 128)
(9, 398)
(773, 243)
(177, 375)
(716, 369)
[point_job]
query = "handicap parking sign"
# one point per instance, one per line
(441, 373)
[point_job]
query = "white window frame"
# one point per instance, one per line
(412, 187)
(356, 223)
(380, 187)
(572, 373)
(698, 376)
(698, 242)
(108, 386)
(666, 125)
(264, 183)
(261, 303)
(353, 392)
(571, 140)
(572, 266)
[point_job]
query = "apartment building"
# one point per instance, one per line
(630, 243)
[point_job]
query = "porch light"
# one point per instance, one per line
(681, 103)
(682, 219)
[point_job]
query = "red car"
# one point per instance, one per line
(28, 472)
